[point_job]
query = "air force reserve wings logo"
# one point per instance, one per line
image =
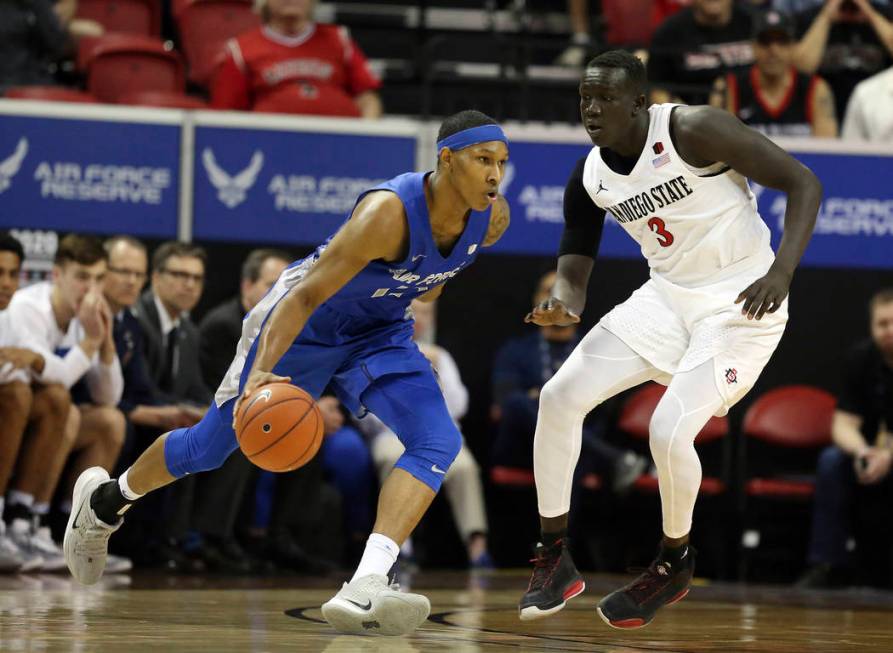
(231, 190)
(10, 166)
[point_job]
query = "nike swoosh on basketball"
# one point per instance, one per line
(366, 607)
(437, 470)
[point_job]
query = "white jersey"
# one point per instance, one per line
(8, 338)
(35, 328)
(696, 226)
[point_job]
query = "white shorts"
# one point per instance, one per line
(676, 329)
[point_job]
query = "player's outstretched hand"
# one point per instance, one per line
(764, 295)
(552, 312)
(255, 380)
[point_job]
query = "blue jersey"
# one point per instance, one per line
(383, 290)
(362, 332)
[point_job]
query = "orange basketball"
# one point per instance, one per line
(279, 428)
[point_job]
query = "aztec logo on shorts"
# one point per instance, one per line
(731, 375)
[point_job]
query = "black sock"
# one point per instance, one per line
(108, 503)
(17, 511)
(673, 554)
(550, 539)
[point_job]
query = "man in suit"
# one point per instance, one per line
(209, 505)
(221, 328)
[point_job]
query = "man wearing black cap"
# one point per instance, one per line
(772, 96)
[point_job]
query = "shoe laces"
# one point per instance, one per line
(545, 561)
(651, 580)
(93, 541)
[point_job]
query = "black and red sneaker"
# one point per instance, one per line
(665, 582)
(555, 581)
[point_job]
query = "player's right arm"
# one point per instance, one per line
(376, 230)
(583, 223)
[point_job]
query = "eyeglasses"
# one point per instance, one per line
(179, 275)
(134, 274)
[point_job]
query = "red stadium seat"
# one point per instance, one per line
(164, 99)
(205, 26)
(783, 432)
(118, 64)
(125, 16)
(635, 417)
(50, 94)
(627, 22)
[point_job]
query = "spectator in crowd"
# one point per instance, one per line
(845, 41)
(221, 328)
(695, 46)
(32, 39)
(292, 64)
(869, 114)
(853, 477)
(16, 366)
(348, 464)
(68, 323)
(771, 96)
(577, 51)
(171, 342)
(124, 280)
(523, 365)
(462, 483)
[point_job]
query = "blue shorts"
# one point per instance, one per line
(370, 366)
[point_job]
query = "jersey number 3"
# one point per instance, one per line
(659, 227)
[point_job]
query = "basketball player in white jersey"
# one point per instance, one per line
(705, 324)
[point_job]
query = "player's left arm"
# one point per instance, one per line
(705, 135)
(824, 117)
(499, 221)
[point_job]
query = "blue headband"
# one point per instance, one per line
(473, 136)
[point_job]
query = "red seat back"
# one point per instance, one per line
(791, 416)
(627, 21)
(127, 16)
(166, 99)
(205, 26)
(638, 409)
(50, 94)
(118, 64)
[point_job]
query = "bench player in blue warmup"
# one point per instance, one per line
(341, 316)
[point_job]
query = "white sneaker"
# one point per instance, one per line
(86, 541)
(369, 606)
(20, 532)
(11, 558)
(42, 542)
(117, 564)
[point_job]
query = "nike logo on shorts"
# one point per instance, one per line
(437, 470)
(366, 607)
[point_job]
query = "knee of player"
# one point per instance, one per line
(110, 423)
(55, 399)
(440, 448)
(661, 427)
(15, 398)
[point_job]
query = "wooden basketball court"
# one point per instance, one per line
(180, 614)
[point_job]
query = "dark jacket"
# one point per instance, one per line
(139, 390)
(220, 331)
(187, 382)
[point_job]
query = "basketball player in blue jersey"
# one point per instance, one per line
(341, 317)
(705, 323)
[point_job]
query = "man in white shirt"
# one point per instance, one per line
(68, 324)
(869, 114)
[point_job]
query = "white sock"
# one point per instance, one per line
(129, 494)
(21, 498)
(41, 508)
(378, 558)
